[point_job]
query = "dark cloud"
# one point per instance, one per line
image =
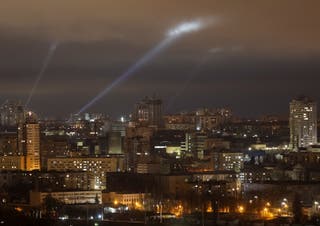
(258, 54)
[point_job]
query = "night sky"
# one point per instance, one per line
(254, 57)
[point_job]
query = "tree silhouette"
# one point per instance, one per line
(96, 199)
(51, 205)
(297, 208)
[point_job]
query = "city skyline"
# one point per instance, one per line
(244, 61)
(161, 112)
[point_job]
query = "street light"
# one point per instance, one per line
(241, 209)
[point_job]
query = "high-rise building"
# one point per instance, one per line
(209, 119)
(116, 135)
(12, 162)
(96, 167)
(227, 160)
(194, 144)
(303, 122)
(20, 135)
(11, 113)
(32, 143)
(149, 111)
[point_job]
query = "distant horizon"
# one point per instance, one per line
(208, 53)
(114, 116)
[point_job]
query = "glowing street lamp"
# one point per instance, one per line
(241, 209)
